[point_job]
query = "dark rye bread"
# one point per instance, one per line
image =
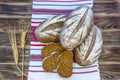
(65, 61)
(50, 62)
(50, 54)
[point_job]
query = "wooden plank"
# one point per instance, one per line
(6, 55)
(15, 9)
(107, 23)
(10, 72)
(15, 3)
(107, 8)
(15, 0)
(109, 75)
(4, 41)
(109, 67)
(106, 1)
(15, 16)
(8, 24)
(110, 54)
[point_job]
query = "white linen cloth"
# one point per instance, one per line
(41, 11)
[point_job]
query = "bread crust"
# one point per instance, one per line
(49, 31)
(50, 62)
(88, 52)
(76, 27)
(65, 61)
(50, 54)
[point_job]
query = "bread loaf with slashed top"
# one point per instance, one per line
(76, 27)
(89, 51)
(49, 31)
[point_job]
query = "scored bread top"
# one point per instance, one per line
(89, 51)
(49, 31)
(76, 27)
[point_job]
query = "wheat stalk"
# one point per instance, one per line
(12, 39)
(24, 29)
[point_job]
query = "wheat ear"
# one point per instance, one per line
(12, 39)
(24, 29)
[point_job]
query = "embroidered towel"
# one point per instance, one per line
(41, 11)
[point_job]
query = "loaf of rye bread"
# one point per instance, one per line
(89, 51)
(49, 31)
(76, 27)
(50, 54)
(50, 62)
(65, 66)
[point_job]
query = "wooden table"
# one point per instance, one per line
(107, 17)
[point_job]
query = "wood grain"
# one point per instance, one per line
(9, 72)
(16, 0)
(106, 17)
